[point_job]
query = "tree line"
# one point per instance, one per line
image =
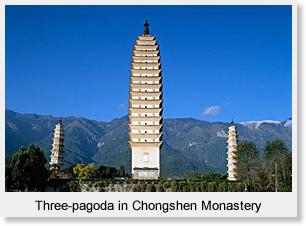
(80, 171)
(271, 171)
(191, 186)
(26, 170)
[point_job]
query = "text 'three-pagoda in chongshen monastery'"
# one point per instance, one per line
(145, 110)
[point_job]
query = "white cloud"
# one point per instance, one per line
(122, 107)
(212, 110)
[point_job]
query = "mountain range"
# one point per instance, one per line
(188, 144)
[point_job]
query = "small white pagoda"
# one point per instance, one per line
(57, 152)
(232, 148)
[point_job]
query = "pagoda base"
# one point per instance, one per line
(145, 173)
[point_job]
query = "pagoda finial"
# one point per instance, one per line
(232, 123)
(60, 120)
(146, 30)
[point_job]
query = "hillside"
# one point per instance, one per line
(189, 144)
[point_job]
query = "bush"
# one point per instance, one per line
(150, 188)
(72, 186)
(160, 189)
(174, 187)
(143, 188)
(137, 189)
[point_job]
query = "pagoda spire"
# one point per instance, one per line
(146, 30)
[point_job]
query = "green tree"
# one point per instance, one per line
(267, 176)
(105, 172)
(275, 153)
(121, 171)
(192, 175)
(83, 172)
(286, 178)
(150, 188)
(19, 173)
(27, 169)
(69, 170)
(108, 172)
(212, 176)
(35, 165)
(265, 181)
(8, 174)
(247, 163)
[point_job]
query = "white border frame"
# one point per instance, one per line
(273, 204)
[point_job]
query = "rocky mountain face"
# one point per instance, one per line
(189, 144)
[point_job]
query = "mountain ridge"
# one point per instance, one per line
(189, 144)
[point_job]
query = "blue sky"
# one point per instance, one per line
(219, 62)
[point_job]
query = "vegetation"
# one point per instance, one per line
(105, 172)
(211, 176)
(189, 144)
(69, 170)
(271, 172)
(196, 186)
(278, 164)
(247, 164)
(83, 172)
(121, 171)
(25, 170)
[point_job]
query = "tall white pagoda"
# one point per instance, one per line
(232, 148)
(57, 152)
(145, 107)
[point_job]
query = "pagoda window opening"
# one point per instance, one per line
(146, 157)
